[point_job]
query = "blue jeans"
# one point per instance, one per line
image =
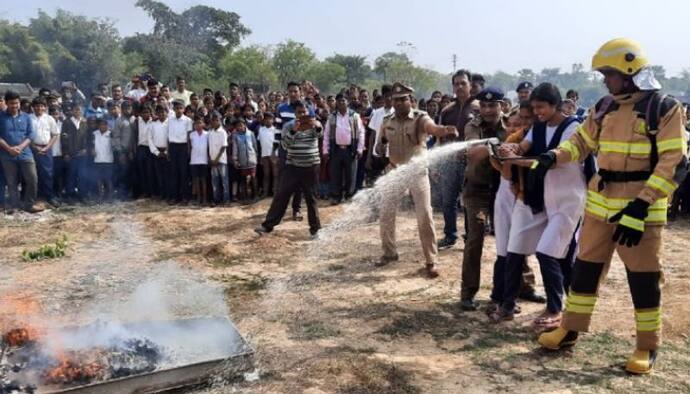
(77, 177)
(219, 178)
(44, 169)
(452, 175)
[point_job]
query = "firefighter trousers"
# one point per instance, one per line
(643, 269)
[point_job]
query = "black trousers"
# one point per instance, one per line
(161, 166)
(59, 175)
(297, 197)
(123, 174)
(342, 165)
(145, 173)
(179, 172)
(294, 179)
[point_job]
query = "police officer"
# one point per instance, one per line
(640, 141)
(523, 90)
(479, 189)
(404, 134)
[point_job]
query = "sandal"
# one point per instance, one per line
(547, 322)
(500, 315)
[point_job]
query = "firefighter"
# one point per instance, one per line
(640, 143)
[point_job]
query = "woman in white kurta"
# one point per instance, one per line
(544, 223)
(504, 203)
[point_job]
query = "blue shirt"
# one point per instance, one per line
(15, 130)
(97, 113)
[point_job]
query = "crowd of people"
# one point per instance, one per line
(150, 141)
(562, 179)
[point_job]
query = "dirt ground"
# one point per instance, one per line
(336, 323)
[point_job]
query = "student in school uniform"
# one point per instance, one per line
(179, 127)
(158, 145)
(218, 160)
(101, 147)
(144, 159)
(244, 157)
(198, 160)
(59, 166)
(266, 140)
(544, 223)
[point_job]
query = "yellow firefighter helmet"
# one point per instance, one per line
(621, 54)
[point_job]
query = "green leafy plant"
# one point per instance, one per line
(47, 251)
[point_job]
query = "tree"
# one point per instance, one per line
(22, 58)
(204, 28)
(526, 74)
(83, 50)
(292, 60)
(250, 65)
(356, 67)
(326, 75)
(181, 44)
(392, 65)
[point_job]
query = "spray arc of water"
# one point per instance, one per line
(364, 206)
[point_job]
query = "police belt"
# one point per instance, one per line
(607, 176)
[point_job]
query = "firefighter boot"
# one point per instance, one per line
(641, 362)
(558, 339)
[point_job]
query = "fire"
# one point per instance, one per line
(77, 367)
(20, 336)
(18, 312)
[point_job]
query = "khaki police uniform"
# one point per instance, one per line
(479, 191)
(406, 139)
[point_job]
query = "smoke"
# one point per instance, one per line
(173, 317)
(158, 310)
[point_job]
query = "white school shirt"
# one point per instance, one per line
(217, 139)
(266, 138)
(103, 145)
(199, 143)
(158, 136)
(144, 131)
(57, 146)
(44, 129)
(178, 129)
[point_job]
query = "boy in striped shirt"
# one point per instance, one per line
(301, 141)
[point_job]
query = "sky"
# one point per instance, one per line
(486, 35)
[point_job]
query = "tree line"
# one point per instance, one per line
(202, 44)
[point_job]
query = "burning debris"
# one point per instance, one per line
(17, 337)
(28, 361)
(137, 346)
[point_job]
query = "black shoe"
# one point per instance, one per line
(54, 202)
(261, 230)
(468, 305)
(297, 217)
(446, 243)
(532, 296)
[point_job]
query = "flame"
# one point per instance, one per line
(77, 367)
(18, 314)
(21, 336)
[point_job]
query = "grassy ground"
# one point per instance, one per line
(335, 323)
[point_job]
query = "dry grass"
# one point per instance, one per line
(338, 324)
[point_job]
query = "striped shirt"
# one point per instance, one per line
(302, 146)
